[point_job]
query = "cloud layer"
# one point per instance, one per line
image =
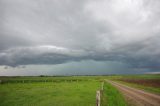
(56, 32)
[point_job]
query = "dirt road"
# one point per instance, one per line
(137, 97)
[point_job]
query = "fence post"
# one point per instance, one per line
(102, 86)
(98, 98)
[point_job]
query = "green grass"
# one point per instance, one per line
(112, 97)
(49, 94)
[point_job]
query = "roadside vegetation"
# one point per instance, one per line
(111, 96)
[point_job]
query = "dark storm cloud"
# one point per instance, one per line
(55, 32)
(39, 55)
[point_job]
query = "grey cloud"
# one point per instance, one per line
(107, 30)
(39, 55)
(139, 54)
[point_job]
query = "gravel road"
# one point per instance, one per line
(137, 97)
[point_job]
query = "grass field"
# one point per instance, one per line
(66, 91)
(49, 94)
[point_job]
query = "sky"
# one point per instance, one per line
(79, 37)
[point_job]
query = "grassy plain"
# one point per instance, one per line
(67, 90)
(81, 93)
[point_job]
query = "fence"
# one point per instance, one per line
(99, 95)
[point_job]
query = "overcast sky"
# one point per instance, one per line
(54, 37)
